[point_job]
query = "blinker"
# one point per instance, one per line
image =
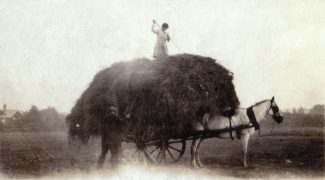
(275, 109)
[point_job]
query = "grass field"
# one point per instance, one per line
(43, 154)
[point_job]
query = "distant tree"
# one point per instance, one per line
(51, 119)
(34, 113)
(318, 109)
(32, 120)
(301, 110)
(1, 126)
(294, 111)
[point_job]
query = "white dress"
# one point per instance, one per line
(161, 49)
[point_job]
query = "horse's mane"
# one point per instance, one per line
(258, 103)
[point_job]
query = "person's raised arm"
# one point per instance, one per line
(153, 27)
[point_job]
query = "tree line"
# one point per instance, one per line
(50, 119)
(36, 120)
(301, 117)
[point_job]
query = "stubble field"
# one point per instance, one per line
(275, 155)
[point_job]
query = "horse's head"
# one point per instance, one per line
(274, 111)
(75, 130)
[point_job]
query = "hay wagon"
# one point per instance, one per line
(158, 101)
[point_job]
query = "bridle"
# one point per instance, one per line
(252, 118)
(275, 109)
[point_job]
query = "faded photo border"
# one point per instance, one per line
(52, 52)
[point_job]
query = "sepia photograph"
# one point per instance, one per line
(164, 89)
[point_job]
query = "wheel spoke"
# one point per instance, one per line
(170, 154)
(163, 158)
(132, 156)
(139, 155)
(148, 156)
(154, 150)
(175, 149)
(158, 155)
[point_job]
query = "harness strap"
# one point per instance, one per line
(238, 133)
(204, 122)
(230, 132)
(205, 131)
(252, 118)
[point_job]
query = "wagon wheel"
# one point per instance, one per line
(160, 151)
(166, 151)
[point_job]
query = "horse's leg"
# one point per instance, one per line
(193, 151)
(244, 139)
(114, 154)
(101, 158)
(197, 156)
(121, 154)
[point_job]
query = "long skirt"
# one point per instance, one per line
(160, 50)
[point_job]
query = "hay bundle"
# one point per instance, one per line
(155, 96)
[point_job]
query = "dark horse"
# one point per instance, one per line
(111, 132)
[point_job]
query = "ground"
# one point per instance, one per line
(44, 154)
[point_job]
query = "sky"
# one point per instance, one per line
(50, 50)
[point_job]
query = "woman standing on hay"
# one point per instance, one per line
(161, 49)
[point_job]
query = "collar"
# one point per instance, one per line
(252, 118)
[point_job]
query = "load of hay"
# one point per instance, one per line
(155, 98)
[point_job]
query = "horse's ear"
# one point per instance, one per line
(272, 98)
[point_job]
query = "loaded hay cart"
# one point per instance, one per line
(154, 103)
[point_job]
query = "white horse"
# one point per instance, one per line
(249, 117)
